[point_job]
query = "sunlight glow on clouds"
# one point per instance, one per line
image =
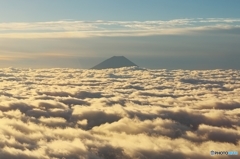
(118, 113)
(11, 56)
(83, 29)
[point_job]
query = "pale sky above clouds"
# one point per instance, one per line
(153, 34)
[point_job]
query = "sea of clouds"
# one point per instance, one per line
(125, 113)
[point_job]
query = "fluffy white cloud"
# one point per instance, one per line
(118, 113)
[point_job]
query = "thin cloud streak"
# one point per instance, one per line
(12, 56)
(119, 33)
(84, 29)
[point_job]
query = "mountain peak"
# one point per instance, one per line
(114, 62)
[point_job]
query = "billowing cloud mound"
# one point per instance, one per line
(125, 113)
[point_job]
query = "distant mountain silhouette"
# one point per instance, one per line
(114, 62)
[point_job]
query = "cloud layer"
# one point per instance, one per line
(83, 29)
(118, 113)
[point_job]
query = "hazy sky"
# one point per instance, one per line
(155, 34)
